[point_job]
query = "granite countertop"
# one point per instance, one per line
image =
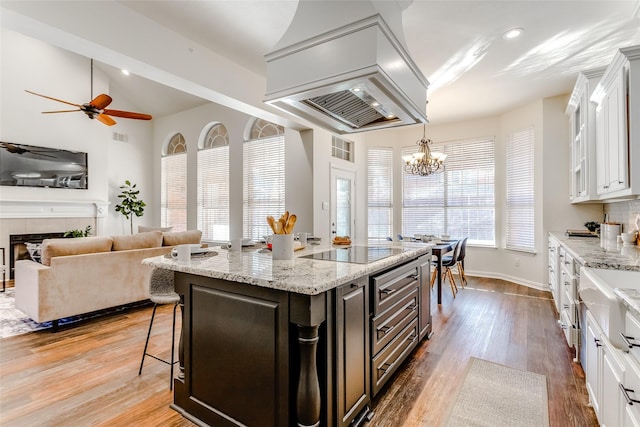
(589, 253)
(630, 298)
(254, 265)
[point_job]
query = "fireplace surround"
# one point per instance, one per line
(46, 217)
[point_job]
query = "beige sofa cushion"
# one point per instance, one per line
(150, 239)
(181, 237)
(74, 246)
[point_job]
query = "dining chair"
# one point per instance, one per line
(400, 237)
(460, 262)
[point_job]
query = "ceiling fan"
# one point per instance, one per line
(96, 108)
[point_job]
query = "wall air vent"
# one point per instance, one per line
(344, 67)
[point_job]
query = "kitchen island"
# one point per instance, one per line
(302, 342)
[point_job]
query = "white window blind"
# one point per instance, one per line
(380, 193)
(460, 201)
(173, 182)
(264, 181)
(213, 185)
(173, 209)
(520, 191)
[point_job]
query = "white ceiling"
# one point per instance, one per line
(458, 45)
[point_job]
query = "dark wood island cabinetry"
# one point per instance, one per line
(311, 346)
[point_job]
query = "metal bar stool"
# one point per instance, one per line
(161, 291)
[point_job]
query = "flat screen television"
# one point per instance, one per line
(32, 166)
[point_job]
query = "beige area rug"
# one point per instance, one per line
(497, 395)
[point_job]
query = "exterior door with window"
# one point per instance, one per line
(342, 203)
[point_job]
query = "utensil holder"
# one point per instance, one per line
(282, 246)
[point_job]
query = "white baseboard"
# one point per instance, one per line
(516, 280)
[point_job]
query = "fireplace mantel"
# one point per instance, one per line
(52, 209)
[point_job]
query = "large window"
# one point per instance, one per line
(173, 197)
(264, 178)
(460, 201)
(380, 194)
(520, 191)
(213, 184)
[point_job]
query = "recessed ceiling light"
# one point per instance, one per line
(375, 104)
(125, 72)
(512, 33)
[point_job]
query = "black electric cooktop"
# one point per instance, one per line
(356, 254)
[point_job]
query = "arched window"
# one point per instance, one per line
(173, 171)
(213, 184)
(264, 177)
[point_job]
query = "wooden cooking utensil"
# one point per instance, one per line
(291, 223)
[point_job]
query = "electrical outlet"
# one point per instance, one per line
(517, 262)
(325, 206)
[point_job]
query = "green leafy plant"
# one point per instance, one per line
(78, 233)
(592, 225)
(129, 204)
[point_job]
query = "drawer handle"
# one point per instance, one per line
(567, 284)
(563, 326)
(412, 307)
(387, 291)
(597, 341)
(385, 367)
(414, 276)
(625, 393)
(627, 342)
(386, 329)
(412, 338)
(565, 306)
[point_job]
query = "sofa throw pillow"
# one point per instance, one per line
(173, 238)
(150, 239)
(76, 246)
(35, 250)
(144, 229)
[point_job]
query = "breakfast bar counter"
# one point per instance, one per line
(305, 342)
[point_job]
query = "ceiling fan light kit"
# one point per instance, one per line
(96, 108)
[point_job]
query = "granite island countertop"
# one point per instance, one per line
(255, 266)
(589, 253)
(629, 297)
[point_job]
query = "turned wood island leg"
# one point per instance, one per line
(308, 401)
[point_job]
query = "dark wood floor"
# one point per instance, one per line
(87, 374)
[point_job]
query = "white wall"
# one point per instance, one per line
(27, 63)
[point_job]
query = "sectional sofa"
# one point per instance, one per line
(86, 274)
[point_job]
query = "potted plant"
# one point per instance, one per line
(129, 204)
(78, 233)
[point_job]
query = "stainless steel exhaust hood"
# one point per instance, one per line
(344, 66)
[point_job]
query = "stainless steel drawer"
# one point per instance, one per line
(394, 285)
(392, 356)
(391, 322)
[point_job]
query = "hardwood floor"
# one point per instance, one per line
(87, 374)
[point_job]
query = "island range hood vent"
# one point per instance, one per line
(343, 66)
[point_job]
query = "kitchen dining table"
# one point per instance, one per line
(438, 251)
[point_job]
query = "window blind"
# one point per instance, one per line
(380, 193)
(520, 191)
(213, 193)
(173, 209)
(460, 201)
(264, 181)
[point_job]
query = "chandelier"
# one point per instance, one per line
(424, 162)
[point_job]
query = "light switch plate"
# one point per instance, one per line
(325, 206)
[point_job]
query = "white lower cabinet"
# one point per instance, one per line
(605, 376)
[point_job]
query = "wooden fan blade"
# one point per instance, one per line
(60, 111)
(103, 118)
(53, 99)
(101, 101)
(128, 114)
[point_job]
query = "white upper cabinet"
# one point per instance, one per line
(582, 117)
(617, 126)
